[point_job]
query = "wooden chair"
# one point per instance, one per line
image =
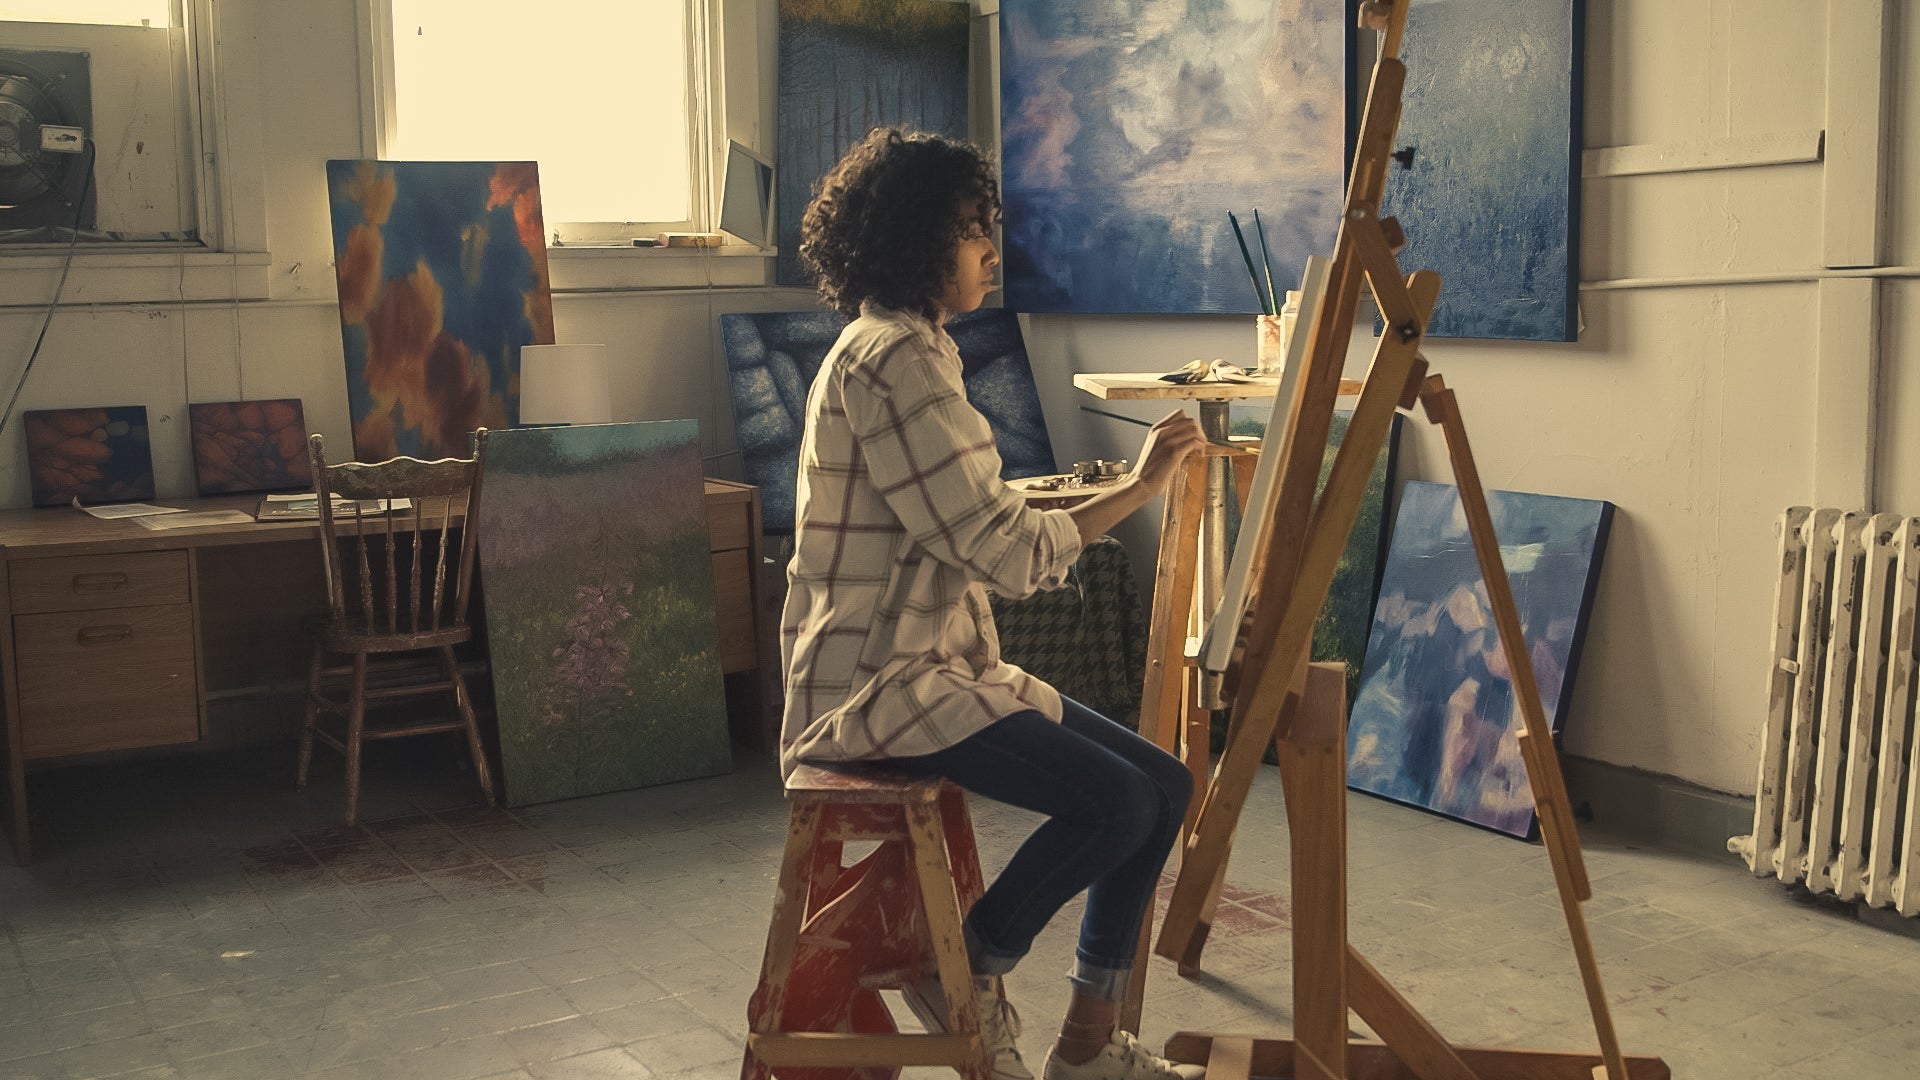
(388, 594)
(840, 934)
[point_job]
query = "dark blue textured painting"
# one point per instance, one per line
(847, 67)
(1128, 131)
(1436, 719)
(771, 361)
(1492, 108)
(442, 268)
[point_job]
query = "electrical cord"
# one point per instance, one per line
(79, 210)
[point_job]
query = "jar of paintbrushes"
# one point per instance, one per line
(1273, 327)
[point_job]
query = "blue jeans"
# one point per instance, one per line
(1114, 803)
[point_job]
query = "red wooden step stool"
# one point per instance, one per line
(841, 934)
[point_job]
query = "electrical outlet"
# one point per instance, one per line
(61, 139)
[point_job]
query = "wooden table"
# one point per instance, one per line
(112, 636)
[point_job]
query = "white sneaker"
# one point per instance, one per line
(999, 1024)
(1123, 1058)
(1000, 1027)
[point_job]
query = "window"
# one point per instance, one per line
(609, 97)
(154, 13)
(128, 74)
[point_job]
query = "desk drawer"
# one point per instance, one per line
(106, 680)
(88, 582)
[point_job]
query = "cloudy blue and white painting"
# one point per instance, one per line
(1435, 722)
(1129, 130)
(1492, 108)
(771, 361)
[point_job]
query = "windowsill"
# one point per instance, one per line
(27, 279)
(583, 268)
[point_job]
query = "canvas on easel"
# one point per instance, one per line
(1435, 721)
(1280, 698)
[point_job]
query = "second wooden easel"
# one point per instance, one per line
(1278, 697)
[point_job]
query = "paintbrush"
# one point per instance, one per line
(1266, 261)
(1266, 308)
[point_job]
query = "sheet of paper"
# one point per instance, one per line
(193, 518)
(125, 510)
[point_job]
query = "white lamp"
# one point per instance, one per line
(564, 384)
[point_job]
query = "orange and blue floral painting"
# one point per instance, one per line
(1436, 718)
(442, 267)
(601, 629)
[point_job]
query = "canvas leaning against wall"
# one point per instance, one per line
(442, 268)
(1436, 720)
(601, 625)
(241, 446)
(847, 67)
(98, 455)
(1128, 131)
(771, 362)
(1491, 199)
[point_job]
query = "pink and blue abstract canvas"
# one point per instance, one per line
(1128, 131)
(1491, 200)
(1435, 721)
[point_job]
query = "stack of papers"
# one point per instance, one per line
(305, 506)
(148, 516)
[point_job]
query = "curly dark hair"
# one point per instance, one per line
(885, 223)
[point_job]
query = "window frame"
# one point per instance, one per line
(217, 174)
(380, 119)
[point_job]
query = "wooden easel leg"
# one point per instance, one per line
(1557, 829)
(1173, 582)
(1313, 772)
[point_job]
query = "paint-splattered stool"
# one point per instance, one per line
(841, 934)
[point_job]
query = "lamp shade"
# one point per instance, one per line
(564, 384)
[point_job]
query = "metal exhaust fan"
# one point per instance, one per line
(46, 119)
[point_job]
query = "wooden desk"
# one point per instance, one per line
(112, 636)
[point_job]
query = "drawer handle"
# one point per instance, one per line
(101, 635)
(99, 582)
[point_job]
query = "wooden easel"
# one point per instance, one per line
(1277, 696)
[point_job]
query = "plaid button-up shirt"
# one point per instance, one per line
(887, 641)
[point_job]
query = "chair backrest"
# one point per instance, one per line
(375, 561)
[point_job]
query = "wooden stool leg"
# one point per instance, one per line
(464, 703)
(940, 905)
(789, 909)
(356, 724)
(313, 711)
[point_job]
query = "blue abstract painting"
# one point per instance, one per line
(771, 361)
(847, 67)
(1435, 722)
(1128, 131)
(442, 269)
(1492, 109)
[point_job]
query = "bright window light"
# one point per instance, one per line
(593, 90)
(157, 13)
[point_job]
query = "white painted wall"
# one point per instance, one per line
(1689, 401)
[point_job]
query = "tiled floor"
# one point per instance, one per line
(198, 918)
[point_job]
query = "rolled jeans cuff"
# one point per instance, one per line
(1099, 980)
(982, 959)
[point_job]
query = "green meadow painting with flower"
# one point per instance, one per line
(601, 630)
